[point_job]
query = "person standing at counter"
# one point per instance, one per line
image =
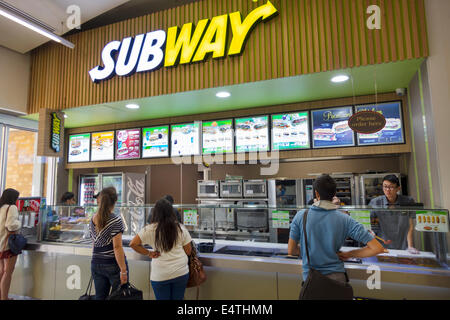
(327, 228)
(9, 222)
(172, 244)
(395, 226)
(108, 266)
(68, 199)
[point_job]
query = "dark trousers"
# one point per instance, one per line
(106, 277)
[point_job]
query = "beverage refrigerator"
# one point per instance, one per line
(130, 187)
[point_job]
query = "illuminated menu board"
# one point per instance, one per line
(217, 136)
(290, 131)
(155, 142)
(102, 146)
(79, 147)
(252, 134)
(392, 132)
(330, 128)
(185, 139)
(128, 144)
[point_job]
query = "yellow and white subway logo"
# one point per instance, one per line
(150, 51)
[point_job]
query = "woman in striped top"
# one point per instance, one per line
(108, 267)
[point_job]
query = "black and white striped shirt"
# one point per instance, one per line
(103, 242)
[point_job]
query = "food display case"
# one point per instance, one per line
(231, 254)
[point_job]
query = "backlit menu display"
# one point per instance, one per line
(252, 134)
(185, 139)
(128, 144)
(102, 146)
(392, 132)
(217, 136)
(290, 131)
(155, 142)
(79, 147)
(330, 128)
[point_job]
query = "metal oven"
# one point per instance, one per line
(255, 188)
(208, 189)
(231, 189)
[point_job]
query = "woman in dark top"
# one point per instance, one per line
(108, 267)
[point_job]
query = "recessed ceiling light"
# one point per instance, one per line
(340, 78)
(223, 94)
(132, 106)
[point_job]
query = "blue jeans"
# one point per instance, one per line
(106, 276)
(172, 289)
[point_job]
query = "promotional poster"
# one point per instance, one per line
(330, 128)
(186, 139)
(392, 132)
(79, 147)
(217, 136)
(128, 144)
(290, 131)
(155, 142)
(252, 134)
(102, 146)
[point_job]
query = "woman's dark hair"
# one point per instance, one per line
(392, 178)
(108, 198)
(167, 228)
(325, 186)
(9, 196)
(169, 198)
(67, 196)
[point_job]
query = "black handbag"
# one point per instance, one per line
(126, 291)
(87, 295)
(320, 287)
(16, 241)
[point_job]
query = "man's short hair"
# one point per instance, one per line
(392, 178)
(325, 186)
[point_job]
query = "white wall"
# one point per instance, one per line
(438, 65)
(14, 80)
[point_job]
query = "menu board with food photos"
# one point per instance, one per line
(217, 136)
(128, 144)
(290, 131)
(330, 128)
(155, 142)
(185, 139)
(252, 134)
(79, 147)
(102, 146)
(393, 131)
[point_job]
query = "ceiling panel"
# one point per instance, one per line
(50, 12)
(367, 80)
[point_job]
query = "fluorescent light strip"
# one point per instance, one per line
(36, 28)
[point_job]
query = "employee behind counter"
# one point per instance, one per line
(395, 227)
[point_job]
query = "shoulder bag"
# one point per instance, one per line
(320, 287)
(87, 295)
(126, 291)
(196, 273)
(16, 241)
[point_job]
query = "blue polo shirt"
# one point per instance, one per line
(327, 230)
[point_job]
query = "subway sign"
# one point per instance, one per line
(151, 51)
(55, 132)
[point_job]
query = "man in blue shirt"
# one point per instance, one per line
(327, 228)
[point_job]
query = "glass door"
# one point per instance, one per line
(114, 180)
(89, 187)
